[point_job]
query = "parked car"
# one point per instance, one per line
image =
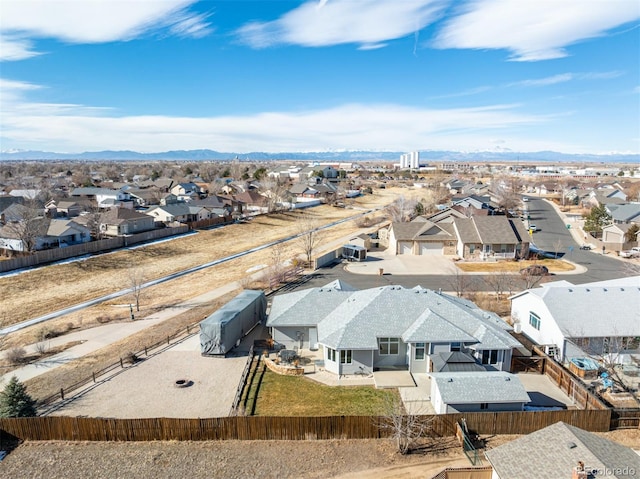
(525, 199)
(630, 253)
(533, 228)
(535, 270)
(587, 246)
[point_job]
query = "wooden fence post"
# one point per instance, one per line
(62, 394)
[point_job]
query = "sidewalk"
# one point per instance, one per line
(94, 339)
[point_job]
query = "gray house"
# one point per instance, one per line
(388, 327)
(477, 391)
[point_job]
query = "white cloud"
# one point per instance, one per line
(365, 22)
(552, 80)
(533, 29)
(91, 21)
(74, 128)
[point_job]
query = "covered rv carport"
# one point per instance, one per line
(224, 329)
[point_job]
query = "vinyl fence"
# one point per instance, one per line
(283, 428)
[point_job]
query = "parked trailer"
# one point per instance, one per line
(224, 329)
(352, 252)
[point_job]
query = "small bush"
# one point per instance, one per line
(16, 355)
(131, 358)
(103, 319)
(41, 348)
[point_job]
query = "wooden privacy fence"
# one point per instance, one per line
(283, 428)
(569, 383)
(92, 247)
(622, 418)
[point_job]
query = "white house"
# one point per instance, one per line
(576, 321)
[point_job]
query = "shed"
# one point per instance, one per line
(224, 329)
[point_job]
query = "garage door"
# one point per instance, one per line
(430, 248)
(405, 247)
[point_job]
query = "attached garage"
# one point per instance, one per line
(430, 248)
(405, 247)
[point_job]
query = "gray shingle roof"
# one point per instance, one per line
(356, 319)
(552, 452)
(480, 386)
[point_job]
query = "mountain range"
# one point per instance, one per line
(346, 156)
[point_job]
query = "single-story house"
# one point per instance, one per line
(181, 212)
(498, 237)
(627, 213)
(477, 391)
(557, 450)
(422, 237)
(42, 233)
(590, 319)
(389, 326)
(123, 221)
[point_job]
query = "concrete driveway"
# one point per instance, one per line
(403, 264)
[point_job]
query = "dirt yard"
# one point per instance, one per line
(339, 459)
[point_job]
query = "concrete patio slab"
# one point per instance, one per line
(393, 379)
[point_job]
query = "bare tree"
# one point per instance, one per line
(557, 246)
(276, 268)
(136, 282)
(401, 210)
(28, 225)
(404, 429)
(310, 236)
(459, 282)
(507, 192)
(501, 281)
(276, 192)
(530, 279)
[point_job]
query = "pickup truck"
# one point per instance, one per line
(630, 253)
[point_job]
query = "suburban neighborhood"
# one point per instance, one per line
(438, 297)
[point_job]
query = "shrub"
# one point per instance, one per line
(16, 355)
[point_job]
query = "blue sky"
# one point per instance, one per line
(280, 76)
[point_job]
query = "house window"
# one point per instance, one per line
(472, 248)
(419, 353)
(455, 346)
(388, 346)
(484, 405)
(490, 356)
(331, 354)
(345, 356)
(534, 320)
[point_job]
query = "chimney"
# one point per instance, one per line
(578, 472)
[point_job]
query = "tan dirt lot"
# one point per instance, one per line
(344, 459)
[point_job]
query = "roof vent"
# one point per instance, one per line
(587, 290)
(604, 289)
(570, 290)
(507, 379)
(572, 445)
(450, 380)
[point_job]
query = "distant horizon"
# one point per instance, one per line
(354, 156)
(321, 75)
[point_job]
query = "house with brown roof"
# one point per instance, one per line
(123, 221)
(495, 237)
(421, 237)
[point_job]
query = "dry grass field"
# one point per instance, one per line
(554, 265)
(52, 288)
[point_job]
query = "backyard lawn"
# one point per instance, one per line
(298, 396)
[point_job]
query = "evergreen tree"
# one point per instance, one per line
(15, 402)
(596, 219)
